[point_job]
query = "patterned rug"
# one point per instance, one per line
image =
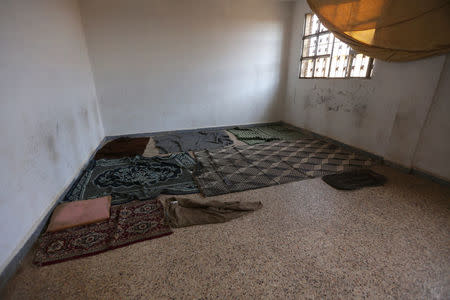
(225, 171)
(122, 147)
(254, 166)
(135, 178)
(262, 134)
(129, 223)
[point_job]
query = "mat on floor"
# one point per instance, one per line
(129, 223)
(354, 180)
(192, 141)
(225, 171)
(248, 167)
(183, 212)
(122, 147)
(262, 134)
(135, 178)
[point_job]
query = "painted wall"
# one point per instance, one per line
(49, 120)
(165, 65)
(433, 149)
(383, 115)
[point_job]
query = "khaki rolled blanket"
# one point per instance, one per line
(183, 212)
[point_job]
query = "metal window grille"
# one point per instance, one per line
(325, 56)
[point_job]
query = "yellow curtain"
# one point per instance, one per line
(390, 30)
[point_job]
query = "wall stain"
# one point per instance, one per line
(403, 123)
(307, 102)
(85, 114)
(335, 107)
(51, 147)
(339, 101)
(360, 113)
(57, 128)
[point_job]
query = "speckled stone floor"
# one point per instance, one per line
(308, 241)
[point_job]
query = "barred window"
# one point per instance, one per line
(325, 56)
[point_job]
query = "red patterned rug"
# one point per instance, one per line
(129, 223)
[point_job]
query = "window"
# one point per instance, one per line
(325, 56)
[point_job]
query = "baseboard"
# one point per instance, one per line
(12, 266)
(400, 167)
(432, 177)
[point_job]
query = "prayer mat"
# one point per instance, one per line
(135, 178)
(262, 134)
(182, 212)
(354, 180)
(226, 171)
(310, 156)
(192, 141)
(129, 223)
(72, 214)
(254, 166)
(122, 147)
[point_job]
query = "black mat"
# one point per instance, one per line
(354, 180)
(192, 141)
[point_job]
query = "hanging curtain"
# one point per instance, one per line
(390, 30)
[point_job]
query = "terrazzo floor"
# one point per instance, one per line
(308, 241)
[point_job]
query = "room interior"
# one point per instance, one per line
(198, 85)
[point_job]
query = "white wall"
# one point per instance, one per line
(383, 115)
(165, 65)
(49, 120)
(433, 149)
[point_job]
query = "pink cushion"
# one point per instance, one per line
(78, 213)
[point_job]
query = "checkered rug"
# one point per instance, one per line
(248, 167)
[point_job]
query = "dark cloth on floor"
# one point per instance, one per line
(135, 178)
(123, 147)
(129, 223)
(192, 141)
(354, 180)
(262, 134)
(182, 212)
(246, 167)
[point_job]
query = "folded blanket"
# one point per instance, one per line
(183, 212)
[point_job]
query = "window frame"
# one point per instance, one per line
(352, 55)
